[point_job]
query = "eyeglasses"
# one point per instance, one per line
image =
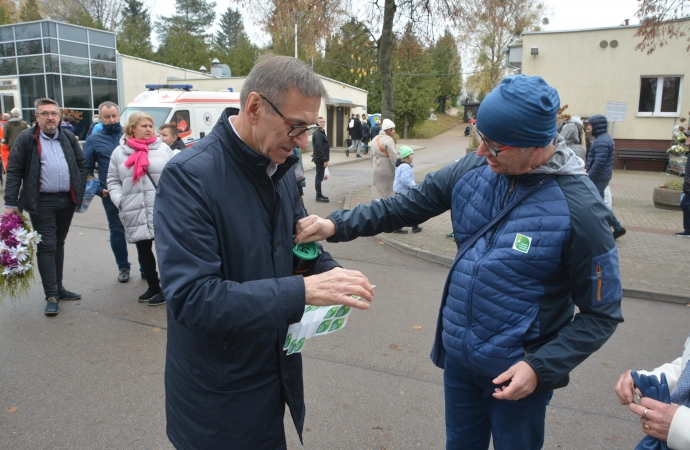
(492, 149)
(294, 130)
(48, 114)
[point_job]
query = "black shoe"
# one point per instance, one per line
(416, 229)
(347, 152)
(358, 155)
(618, 233)
(400, 230)
(157, 299)
(321, 198)
(124, 275)
(64, 294)
(685, 233)
(51, 307)
(149, 294)
(143, 275)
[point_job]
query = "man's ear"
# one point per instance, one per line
(252, 108)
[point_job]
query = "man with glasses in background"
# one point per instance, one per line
(48, 165)
(224, 215)
(533, 243)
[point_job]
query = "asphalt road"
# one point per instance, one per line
(92, 377)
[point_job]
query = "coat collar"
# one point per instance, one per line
(242, 154)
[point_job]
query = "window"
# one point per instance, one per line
(74, 66)
(8, 66)
(159, 114)
(103, 90)
(103, 69)
(31, 88)
(76, 91)
(74, 49)
(28, 31)
(52, 63)
(7, 49)
(6, 34)
(106, 54)
(54, 88)
(50, 46)
(72, 33)
(101, 38)
(49, 29)
(29, 47)
(659, 96)
(30, 64)
(181, 119)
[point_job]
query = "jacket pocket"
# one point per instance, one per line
(605, 278)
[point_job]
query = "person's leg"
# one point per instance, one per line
(359, 147)
(618, 229)
(148, 263)
(319, 177)
(45, 223)
(467, 419)
(63, 221)
(118, 242)
(519, 424)
(685, 206)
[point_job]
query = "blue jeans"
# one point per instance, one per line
(118, 242)
(356, 144)
(601, 187)
(473, 415)
(685, 206)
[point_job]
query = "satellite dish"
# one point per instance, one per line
(603, 44)
(613, 44)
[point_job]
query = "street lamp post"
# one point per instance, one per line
(297, 16)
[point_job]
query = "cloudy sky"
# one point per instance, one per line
(564, 14)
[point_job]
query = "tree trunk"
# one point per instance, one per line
(406, 127)
(385, 50)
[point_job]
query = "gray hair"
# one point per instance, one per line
(273, 76)
(45, 101)
(15, 112)
(107, 105)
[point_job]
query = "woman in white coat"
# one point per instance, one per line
(384, 156)
(135, 168)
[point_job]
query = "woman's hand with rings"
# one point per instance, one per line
(655, 416)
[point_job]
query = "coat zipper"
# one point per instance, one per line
(599, 282)
(509, 192)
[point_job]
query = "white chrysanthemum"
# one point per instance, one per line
(33, 237)
(19, 233)
(7, 271)
(19, 253)
(3, 248)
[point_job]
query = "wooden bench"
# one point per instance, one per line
(626, 154)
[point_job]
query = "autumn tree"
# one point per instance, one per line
(491, 26)
(29, 11)
(447, 65)
(661, 20)
(101, 14)
(8, 11)
(134, 35)
(414, 86)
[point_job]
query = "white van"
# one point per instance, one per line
(194, 112)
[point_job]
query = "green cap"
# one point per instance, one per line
(405, 151)
(306, 251)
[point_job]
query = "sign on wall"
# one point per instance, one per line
(615, 111)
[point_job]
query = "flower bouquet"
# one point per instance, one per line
(678, 149)
(17, 248)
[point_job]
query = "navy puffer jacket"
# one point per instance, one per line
(602, 152)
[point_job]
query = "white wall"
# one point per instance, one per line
(588, 76)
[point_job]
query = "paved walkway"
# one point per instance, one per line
(655, 264)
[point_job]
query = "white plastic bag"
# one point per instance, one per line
(326, 174)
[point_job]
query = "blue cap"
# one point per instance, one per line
(520, 112)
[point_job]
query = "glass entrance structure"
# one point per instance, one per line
(73, 65)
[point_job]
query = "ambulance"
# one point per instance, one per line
(194, 112)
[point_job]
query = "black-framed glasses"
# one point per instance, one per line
(492, 148)
(294, 130)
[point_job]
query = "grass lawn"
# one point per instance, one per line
(431, 128)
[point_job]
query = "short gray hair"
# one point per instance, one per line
(273, 76)
(15, 112)
(107, 105)
(45, 101)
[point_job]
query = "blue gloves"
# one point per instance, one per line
(650, 387)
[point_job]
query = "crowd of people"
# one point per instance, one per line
(534, 243)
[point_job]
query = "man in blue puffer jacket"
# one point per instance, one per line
(506, 335)
(600, 162)
(97, 149)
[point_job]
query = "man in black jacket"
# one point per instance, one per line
(322, 151)
(356, 134)
(224, 215)
(49, 166)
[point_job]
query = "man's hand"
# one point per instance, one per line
(523, 381)
(314, 228)
(336, 287)
(11, 210)
(105, 193)
(325, 163)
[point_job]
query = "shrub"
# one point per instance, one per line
(674, 184)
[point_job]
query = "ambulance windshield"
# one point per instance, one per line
(159, 114)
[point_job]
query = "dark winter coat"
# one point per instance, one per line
(178, 144)
(322, 148)
(97, 149)
(366, 131)
(224, 243)
(503, 304)
(375, 130)
(24, 169)
(13, 127)
(602, 152)
(356, 131)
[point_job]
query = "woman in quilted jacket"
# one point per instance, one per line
(135, 168)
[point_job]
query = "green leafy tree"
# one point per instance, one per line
(415, 95)
(232, 46)
(29, 11)
(231, 29)
(183, 49)
(447, 65)
(184, 42)
(134, 36)
(8, 11)
(242, 57)
(191, 16)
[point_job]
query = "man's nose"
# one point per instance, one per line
(302, 140)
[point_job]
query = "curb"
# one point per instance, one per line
(634, 293)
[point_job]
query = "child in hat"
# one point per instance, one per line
(404, 179)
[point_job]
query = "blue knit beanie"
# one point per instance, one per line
(520, 112)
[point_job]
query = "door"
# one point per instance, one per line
(330, 114)
(339, 128)
(7, 103)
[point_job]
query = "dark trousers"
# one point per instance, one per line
(52, 221)
(148, 261)
(601, 187)
(320, 169)
(685, 206)
(118, 242)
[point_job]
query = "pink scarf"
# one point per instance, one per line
(139, 159)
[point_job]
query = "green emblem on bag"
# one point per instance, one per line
(324, 326)
(337, 324)
(342, 311)
(331, 313)
(522, 243)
